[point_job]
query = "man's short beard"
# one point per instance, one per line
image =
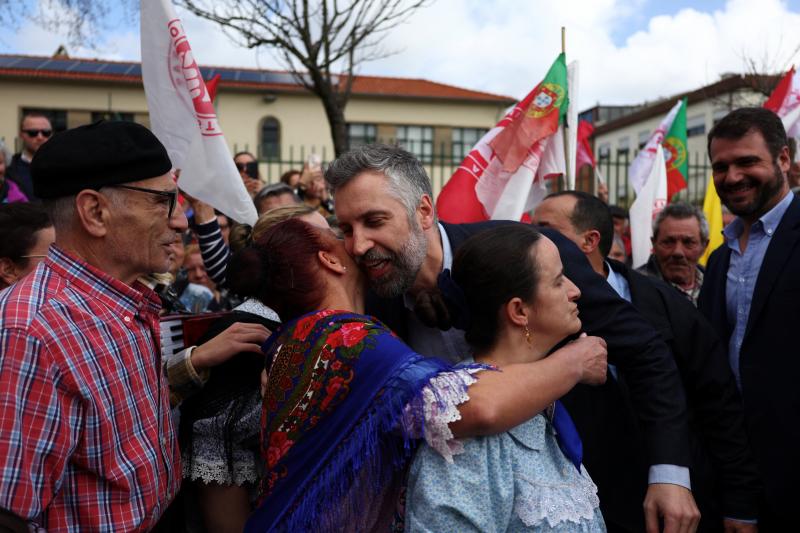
(765, 193)
(406, 264)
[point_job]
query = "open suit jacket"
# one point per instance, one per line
(633, 344)
(769, 359)
(725, 481)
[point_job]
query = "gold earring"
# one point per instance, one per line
(528, 335)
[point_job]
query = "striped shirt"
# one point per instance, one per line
(214, 251)
(86, 437)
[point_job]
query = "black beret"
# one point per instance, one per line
(97, 155)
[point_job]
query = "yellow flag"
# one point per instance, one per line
(712, 207)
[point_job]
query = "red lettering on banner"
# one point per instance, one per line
(187, 73)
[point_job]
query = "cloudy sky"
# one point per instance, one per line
(629, 50)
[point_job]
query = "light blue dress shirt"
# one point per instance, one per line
(512, 482)
(743, 273)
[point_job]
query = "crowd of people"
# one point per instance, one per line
(366, 366)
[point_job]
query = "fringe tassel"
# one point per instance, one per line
(366, 461)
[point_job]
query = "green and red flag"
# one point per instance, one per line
(502, 177)
(669, 137)
(675, 153)
(542, 111)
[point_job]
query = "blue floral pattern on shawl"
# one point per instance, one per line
(335, 438)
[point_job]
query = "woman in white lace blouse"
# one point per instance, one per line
(509, 292)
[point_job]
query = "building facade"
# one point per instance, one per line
(621, 131)
(263, 112)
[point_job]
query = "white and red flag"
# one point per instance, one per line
(641, 167)
(785, 102)
(503, 175)
(650, 200)
(183, 117)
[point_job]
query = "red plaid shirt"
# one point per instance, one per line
(86, 436)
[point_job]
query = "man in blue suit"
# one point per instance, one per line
(751, 294)
(384, 205)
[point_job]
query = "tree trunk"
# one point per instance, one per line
(334, 110)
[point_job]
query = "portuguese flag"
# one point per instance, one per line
(503, 175)
(545, 107)
(676, 154)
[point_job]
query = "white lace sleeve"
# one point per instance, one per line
(440, 400)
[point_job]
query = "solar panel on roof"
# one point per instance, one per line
(87, 66)
(135, 69)
(29, 62)
(58, 64)
(115, 68)
(6, 62)
(248, 76)
(280, 77)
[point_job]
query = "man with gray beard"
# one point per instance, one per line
(384, 205)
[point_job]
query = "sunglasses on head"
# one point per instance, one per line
(33, 133)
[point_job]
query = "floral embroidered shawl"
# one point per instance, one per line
(338, 423)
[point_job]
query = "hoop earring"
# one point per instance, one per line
(528, 335)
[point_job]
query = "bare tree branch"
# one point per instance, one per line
(321, 42)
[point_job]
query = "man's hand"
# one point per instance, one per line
(202, 211)
(590, 357)
(673, 503)
(735, 526)
(239, 337)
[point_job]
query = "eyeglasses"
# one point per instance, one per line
(34, 256)
(172, 196)
(33, 133)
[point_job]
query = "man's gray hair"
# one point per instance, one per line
(680, 211)
(408, 180)
(62, 210)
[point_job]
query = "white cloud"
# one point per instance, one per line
(506, 46)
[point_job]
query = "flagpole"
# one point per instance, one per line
(565, 177)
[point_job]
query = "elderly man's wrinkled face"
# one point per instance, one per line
(678, 246)
(379, 235)
(141, 231)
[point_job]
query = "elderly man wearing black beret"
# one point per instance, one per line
(86, 437)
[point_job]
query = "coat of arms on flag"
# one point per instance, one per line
(550, 97)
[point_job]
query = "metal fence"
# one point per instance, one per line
(615, 171)
(440, 165)
(444, 161)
